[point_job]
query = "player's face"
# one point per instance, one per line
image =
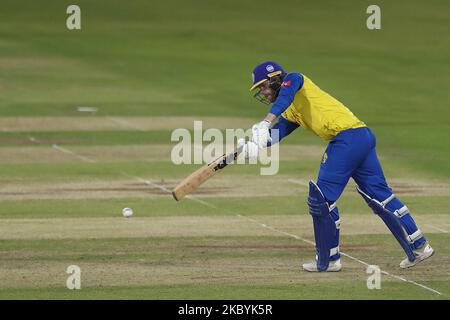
(265, 94)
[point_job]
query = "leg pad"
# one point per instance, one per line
(391, 220)
(325, 227)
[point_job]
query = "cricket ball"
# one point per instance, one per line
(127, 212)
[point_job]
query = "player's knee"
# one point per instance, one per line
(317, 203)
(331, 188)
(386, 200)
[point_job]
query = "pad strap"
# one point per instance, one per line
(401, 212)
(413, 237)
(338, 224)
(334, 251)
(332, 206)
(385, 202)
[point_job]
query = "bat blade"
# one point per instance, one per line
(198, 177)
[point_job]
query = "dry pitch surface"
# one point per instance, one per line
(241, 236)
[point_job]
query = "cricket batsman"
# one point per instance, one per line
(351, 153)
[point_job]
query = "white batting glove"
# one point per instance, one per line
(250, 150)
(261, 134)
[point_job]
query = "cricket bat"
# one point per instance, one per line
(195, 179)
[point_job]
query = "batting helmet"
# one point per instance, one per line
(264, 71)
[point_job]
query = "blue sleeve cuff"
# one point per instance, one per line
(284, 128)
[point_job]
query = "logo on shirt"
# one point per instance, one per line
(324, 158)
(270, 68)
(286, 83)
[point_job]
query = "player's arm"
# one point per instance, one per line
(289, 88)
(281, 129)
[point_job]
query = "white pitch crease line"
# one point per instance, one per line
(190, 197)
(161, 187)
(434, 227)
(33, 139)
(344, 254)
(59, 148)
(125, 123)
(299, 182)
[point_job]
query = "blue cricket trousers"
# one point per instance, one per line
(352, 154)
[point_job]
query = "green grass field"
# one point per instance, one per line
(150, 67)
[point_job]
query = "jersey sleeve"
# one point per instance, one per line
(284, 127)
(289, 87)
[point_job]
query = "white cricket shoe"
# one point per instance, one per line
(334, 266)
(422, 253)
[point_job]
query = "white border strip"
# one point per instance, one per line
(124, 123)
(304, 183)
(161, 187)
(67, 151)
(436, 228)
(64, 150)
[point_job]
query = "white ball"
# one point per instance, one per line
(127, 212)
